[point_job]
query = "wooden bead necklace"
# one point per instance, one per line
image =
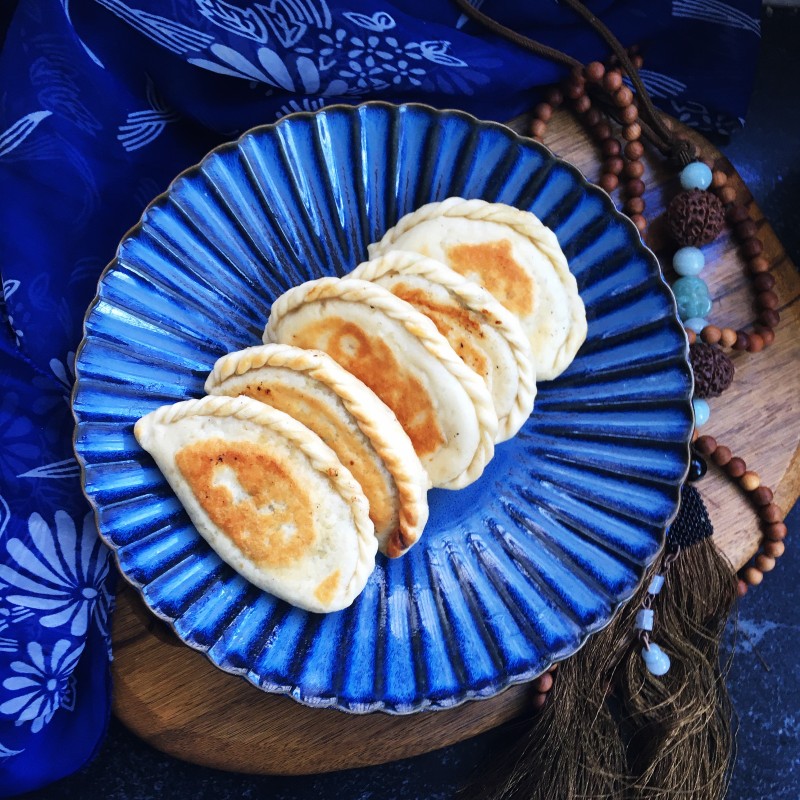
(696, 217)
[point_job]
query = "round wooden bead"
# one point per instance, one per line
(750, 481)
(554, 96)
(612, 81)
(727, 194)
(583, 104)
(764, 282)
(706, 445)
(634, 169)
(741, 588)
(753, 576)
(746, 230)
(634, 150)
(631, 132)
(595, 71)
(544, 111)
(776, 531)
(774, 549)
(728, 337)
(593, 116)
(770, 513)
(691, 336)
(767, 334)
(623, 97)
(634, 205)
(711, 334)
(718, 179)
(614, 165)
(769, 317)
(641, 223)
(721, 456)
(752, 247)
(637, 61)
(768, 300)
(762, 496)
(736, 467)
(609, 182)
(765, 563)
(538, 128)
(629, 115)
(755, 343)
(742, 341)
(611, 147)
(737, 214)
(574, 90)
(758, 265)
(635, 187)
(602, 131)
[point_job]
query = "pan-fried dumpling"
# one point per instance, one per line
(513, 255)
(268, 495)
(443, 406)
(347, 415)
(485, 335)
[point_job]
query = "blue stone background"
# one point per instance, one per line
(765, 677)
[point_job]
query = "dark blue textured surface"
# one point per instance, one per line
(512, 572)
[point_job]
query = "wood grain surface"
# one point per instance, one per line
(176, 700)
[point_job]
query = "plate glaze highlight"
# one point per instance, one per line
(513, 572)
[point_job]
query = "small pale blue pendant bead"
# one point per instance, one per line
(688, 261)
(656, 660)
(701, 411)
(696, 324)
(656, 584)
(644, 619)
(692, 297)
(696, 176)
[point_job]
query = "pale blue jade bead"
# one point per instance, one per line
(656, 584)
(692, 297)
(696, 176)
(696, 324)
(644, 619)
(688, 261)
(656, 660)
(701, 412)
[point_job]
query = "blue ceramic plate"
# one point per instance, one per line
(513, 572)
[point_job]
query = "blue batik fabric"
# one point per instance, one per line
(102, 102)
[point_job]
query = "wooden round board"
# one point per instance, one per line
(174, 698)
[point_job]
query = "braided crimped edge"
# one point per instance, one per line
(375, 419)
(476, 299)
(322, 459)
(418, 325)
(524, 223)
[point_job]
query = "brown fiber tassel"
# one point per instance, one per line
(610, 729)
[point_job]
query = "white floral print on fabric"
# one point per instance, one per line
(319, 58)
(717, 12)
(174, 36)
(61, 574)
(20, 130)
(40, 685)
(143, 127)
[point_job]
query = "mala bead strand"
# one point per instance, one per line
(770, 515)
(696, 217)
